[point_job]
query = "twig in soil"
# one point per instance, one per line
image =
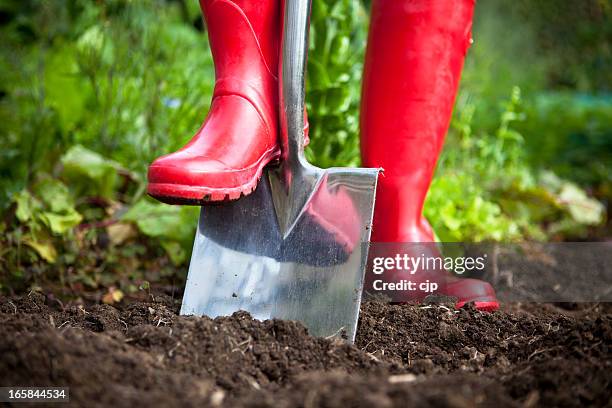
(335, 334)
(52, 321)
(594, 345)
(63, 324)
(534, 338)
(247, 342)
(519, 374)
(364, 348)
(35, 304)
(124, 323)
(144, 336)
(373, 357)
(15, 307)
(542, 351)
(550, 326)
(244, 342)
(438, 307)
(511, 337)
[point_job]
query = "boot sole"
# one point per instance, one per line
(483, 306)
(182, 194)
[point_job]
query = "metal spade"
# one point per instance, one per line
(296, 248)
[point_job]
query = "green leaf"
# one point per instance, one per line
(175, 251)
(165, 222)
(61, 223)
(27, 206)
(54, 194)
(317, 76)
(90, 172)
(92, 40)
(449, 217)
(43, 247)
(66, 90)
(583, 209)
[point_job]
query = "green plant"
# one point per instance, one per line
(76, 227)
(572, 135)
(129, 80)
(486, 190)
(122, 79)
(337, 44)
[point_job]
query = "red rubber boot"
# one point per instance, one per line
(226, 157)
(415, 54)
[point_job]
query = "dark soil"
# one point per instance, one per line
(142, 353)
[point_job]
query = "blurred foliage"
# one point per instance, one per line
(574, 38)
(108, 75)
(572, 135)
(338, 34)
(486, 189)
(91, 92)
(128, 79)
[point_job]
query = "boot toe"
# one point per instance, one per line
(187, 163)
(473, 290)
(181, 178)
(189, 170)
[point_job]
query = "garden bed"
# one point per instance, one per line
(141, 352)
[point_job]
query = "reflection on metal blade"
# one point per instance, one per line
(313, 272)
(295, 248)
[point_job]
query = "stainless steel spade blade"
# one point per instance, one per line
(296, 248)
